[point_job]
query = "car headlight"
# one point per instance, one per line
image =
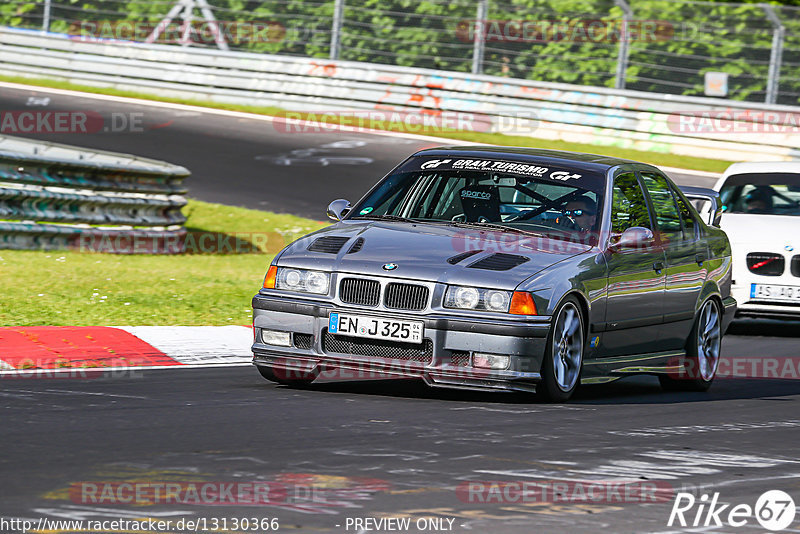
(463, 297)
(471, 298)
(301, 280)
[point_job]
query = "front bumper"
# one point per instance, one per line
(447, 362)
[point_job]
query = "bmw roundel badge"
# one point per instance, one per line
(389, 266)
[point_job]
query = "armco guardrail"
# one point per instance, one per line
(702, 127)
(659, 46)
(60, 197)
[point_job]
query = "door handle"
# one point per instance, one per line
(658, 266)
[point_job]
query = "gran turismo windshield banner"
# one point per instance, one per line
(533, 170)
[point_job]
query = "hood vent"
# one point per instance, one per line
(356, 246)
(463, 256)
(329, 244)
(499, 262)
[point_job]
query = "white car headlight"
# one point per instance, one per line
(302, 280)
(471, 298)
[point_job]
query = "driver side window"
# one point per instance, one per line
(628, 206)
(667, 216)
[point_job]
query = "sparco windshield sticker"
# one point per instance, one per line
(476, 194)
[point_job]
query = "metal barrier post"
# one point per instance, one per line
(775, 56)
(336, 28)
(187, 6)
(208, 14)
(478, 40)
(622, 53)
(46, 16)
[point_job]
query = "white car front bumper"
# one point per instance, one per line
(759, 295)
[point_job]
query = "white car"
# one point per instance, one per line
(761, 215)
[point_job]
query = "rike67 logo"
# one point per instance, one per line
(774, 510)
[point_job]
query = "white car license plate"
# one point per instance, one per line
(771, 292)
(375, 327)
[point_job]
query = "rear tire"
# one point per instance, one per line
(563, 357)
(296, 378)
(702, 352)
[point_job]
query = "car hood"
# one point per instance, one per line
(421, 252)
(765, 232)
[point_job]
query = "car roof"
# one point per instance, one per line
(762, 167)
(555, 158)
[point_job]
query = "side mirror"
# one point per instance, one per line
(633, 237)
(338, 209)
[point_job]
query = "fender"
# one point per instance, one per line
(590, 285)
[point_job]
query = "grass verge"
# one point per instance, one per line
(78, 288)
(655, 158)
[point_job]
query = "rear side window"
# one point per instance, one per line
(628, 207)
(689, 223)
(669, 221)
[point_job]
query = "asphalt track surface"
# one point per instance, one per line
(372, 449)
(237, 161)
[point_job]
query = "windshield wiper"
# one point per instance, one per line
(397, 218)
(494, 226)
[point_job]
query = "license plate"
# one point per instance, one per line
(375, 327)
(771, 292)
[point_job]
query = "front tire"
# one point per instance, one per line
(702, 352)
(563, 358)
(287, 378)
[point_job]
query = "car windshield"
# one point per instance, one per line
(763, 194)
(555, 207)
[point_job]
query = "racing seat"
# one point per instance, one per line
(480, 203)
